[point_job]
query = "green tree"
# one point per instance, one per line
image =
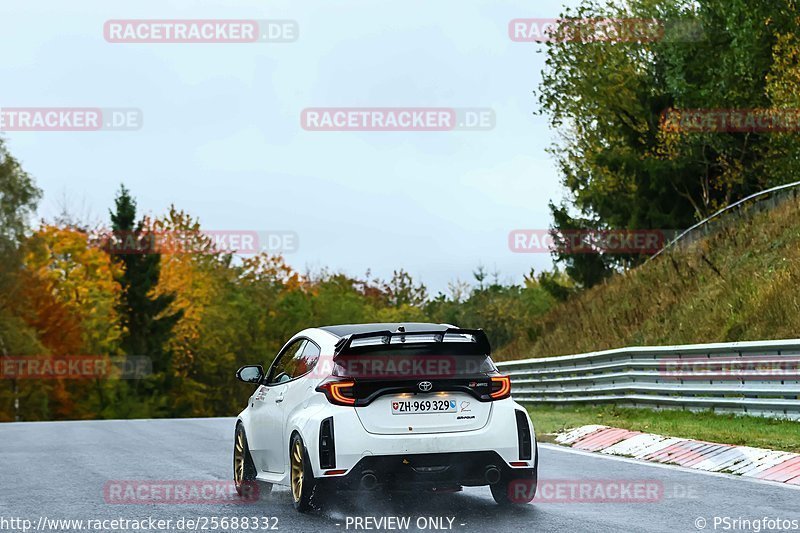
(148, 326)
(607, 99)
(402, 290)
(19, 197)
(508, 313)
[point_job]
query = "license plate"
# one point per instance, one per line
(412, 407)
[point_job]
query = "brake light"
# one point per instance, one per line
(338, 392)
(501, 387)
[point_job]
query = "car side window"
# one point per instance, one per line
(306, 359)
(284, 366)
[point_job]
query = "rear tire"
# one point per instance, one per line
(510, 483)
(301, 475)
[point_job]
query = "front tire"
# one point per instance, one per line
(244, 470)
(301, 475)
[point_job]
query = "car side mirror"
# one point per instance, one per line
(250, 374)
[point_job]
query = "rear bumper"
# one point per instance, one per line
(356, 449)
(429, 470)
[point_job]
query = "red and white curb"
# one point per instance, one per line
(758, 463)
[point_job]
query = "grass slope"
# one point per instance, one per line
(742, 283)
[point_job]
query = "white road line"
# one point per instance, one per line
(564, 449)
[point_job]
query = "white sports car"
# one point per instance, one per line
(368, 406)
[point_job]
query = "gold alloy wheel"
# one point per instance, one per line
(297, 470)
(238, 459)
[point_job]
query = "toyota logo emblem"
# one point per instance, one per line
(425, 386)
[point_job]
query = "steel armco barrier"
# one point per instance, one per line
(757, 378)
(759, 201)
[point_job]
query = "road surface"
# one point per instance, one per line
(59, 470)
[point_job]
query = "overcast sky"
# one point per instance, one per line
(222, 138)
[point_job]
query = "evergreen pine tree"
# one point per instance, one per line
(147, 326)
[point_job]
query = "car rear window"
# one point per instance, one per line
(411, 364)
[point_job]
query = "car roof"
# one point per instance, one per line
(348, 329)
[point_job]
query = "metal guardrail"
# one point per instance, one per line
(704, 226)
(757, 378)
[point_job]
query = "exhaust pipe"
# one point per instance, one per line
(492, 475)
(369, 481)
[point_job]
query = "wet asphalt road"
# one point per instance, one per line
(58, 470)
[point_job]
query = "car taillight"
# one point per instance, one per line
(501, 387)
(339, 392)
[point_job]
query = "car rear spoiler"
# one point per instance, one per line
(470, 341)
